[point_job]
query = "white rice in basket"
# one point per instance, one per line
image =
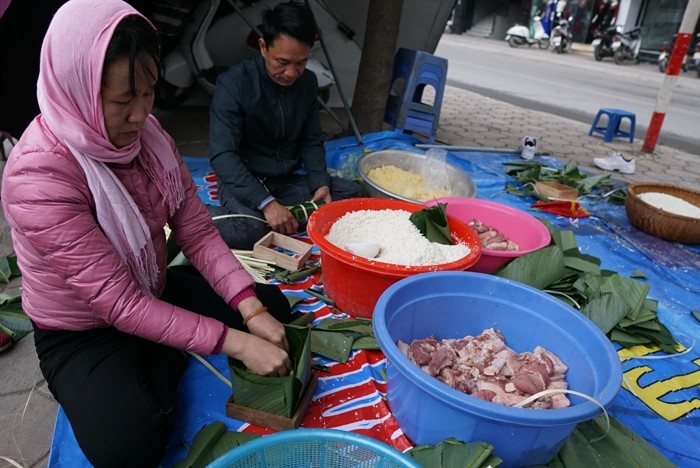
(400, 242)
(670, 204)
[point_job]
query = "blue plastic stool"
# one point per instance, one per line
(612, 130)
(406, 112)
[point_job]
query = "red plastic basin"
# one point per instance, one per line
(355, 283)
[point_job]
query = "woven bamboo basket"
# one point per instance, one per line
(660, 223)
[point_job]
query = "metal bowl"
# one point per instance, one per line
(461, 184)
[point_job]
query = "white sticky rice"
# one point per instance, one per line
(670, 204)
(400, 242)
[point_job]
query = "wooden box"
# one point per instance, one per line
(269, 420)
(556, 191)
(286, 252)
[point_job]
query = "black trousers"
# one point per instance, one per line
(118, 390)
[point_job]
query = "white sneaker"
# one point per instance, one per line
(616, 162)
(529, 147)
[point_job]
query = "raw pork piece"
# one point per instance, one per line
(484, 367)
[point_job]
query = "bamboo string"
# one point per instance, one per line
(211, 368)
(537, 395)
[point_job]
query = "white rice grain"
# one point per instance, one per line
(400, 242)
(670, 204)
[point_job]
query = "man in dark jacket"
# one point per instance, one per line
(265, 141)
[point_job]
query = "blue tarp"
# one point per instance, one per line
(661, 398)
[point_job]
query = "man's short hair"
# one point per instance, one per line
(291, 18)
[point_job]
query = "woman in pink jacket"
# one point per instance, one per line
(87, 192)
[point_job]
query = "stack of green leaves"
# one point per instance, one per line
(453, 453)
(432, 223)
(336, 338)
(9, 268)
(621, 446)
(276, 395)
(211, 442)
(13, 321)
(529, 172)
(616, 304)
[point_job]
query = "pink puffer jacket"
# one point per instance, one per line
(72, 277)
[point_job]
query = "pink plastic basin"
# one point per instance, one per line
(520, 227)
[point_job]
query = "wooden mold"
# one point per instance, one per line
(286, 252)
(269, 420)
(556, 191)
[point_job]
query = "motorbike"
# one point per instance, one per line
(689, 62)
(562, 36)
(218, 34)
(519, 34)
(630, 42)
(607, 43)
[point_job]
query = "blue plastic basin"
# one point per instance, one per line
(456, 304)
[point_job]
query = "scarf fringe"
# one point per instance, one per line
(168, 183)
(145, 269)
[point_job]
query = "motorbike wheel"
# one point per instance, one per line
(567, 46)
(169, 96)
(598, 54)
(513, 41)
(543, 43)
(663, 65)
(619, 56)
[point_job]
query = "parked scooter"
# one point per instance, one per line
(219, 34)
(689, 62)
(630, 42)
(607, 43)
(519, 34)
(562, 35)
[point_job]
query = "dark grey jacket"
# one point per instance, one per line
(262, 131)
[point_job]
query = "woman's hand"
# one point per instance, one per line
(263, 325)
(259, 356)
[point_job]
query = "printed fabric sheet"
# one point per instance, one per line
(660, 398)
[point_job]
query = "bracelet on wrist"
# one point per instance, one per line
(254, 314)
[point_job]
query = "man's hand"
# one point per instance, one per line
(322, 193)
(280, 218)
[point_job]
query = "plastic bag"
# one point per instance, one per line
(348, 169)
(435, 171)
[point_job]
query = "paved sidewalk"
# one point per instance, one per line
(27, 410)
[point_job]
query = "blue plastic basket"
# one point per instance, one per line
(318, 448)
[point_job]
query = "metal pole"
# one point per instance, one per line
(337, 83)
(690, 18)
(250, 24)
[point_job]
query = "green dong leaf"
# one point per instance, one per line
(432, 223)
